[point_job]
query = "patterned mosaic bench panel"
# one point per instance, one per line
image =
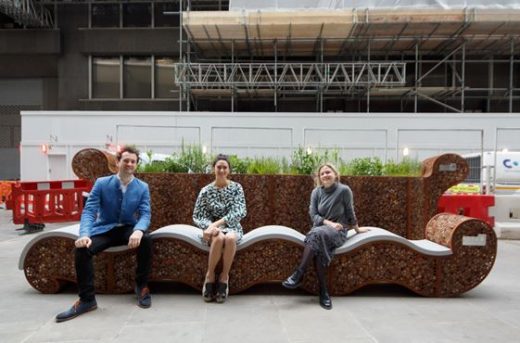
(456, 255)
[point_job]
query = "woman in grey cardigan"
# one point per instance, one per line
(332, 213)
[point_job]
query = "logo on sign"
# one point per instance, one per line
(510, 164)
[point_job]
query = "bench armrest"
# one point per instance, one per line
(454, 231)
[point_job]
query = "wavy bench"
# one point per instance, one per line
(456, 256)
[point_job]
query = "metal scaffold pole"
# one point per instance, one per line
(181, 86)
(511, 72)
(462, 78)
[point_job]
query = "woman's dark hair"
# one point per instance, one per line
(127, 148)
(222, 157)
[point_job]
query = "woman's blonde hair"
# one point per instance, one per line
(329, 165)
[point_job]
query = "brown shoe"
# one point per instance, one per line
(144, 299)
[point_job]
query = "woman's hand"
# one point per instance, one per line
(361, 229)
(206, 235)
(337, 226)
(212, 231)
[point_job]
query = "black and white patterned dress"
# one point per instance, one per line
(336, 204)
(214, 203)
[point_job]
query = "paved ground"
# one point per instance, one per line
(489, 313)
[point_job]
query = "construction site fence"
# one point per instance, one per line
(48, 201)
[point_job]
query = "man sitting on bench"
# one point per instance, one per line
(117, 212)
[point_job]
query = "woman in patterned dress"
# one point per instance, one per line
(219, 208)
(332, 214)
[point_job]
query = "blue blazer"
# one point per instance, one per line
(108, 207)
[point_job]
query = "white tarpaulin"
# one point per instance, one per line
(285, 5)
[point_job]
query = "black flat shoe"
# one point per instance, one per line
(222, 292)
(208, 292)
(293, 281)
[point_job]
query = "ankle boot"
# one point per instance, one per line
(293, 281)
(321, 273)
(325, 300)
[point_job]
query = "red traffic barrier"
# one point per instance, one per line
(469, 205)
(5, 193)
(48, 201)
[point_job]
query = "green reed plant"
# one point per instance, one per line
(239, 165)
(193, 159)
(285, 166)
(306, 161)
(152, 167)
(372, 166)
(407, 167)
(264, 166)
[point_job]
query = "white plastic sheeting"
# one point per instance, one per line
(285, 5)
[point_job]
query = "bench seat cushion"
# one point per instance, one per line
(377, 234)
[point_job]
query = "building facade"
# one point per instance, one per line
(243, 56)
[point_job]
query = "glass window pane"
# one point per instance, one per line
(165, 86)
(105, 15)
(137, 15)
(137, 77)
(105, 77)
(166, 14)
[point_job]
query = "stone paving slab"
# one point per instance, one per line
(490, 312)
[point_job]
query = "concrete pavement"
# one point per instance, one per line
(490, 312)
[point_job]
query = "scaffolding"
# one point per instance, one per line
(454, 60)
(333, 78)
(27, 13)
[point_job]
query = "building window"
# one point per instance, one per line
(133, 79)
(166, 14)
(137, 77)
(105, 77)
(105, 15)
(165, 86)
(137, 15)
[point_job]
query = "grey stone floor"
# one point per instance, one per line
(488, 313)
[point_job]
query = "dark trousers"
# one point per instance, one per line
(114, 237)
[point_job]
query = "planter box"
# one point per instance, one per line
(402, 205)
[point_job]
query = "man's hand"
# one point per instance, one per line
(135, 239)
(83, 242)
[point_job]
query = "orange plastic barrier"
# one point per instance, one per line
(48, 201)
(469, 205)
(5, 191)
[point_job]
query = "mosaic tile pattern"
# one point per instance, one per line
(49, 264)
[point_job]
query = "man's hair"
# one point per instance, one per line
(127, 148)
